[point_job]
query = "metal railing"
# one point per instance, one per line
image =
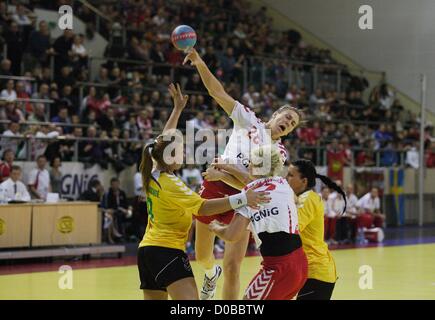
(319, 152)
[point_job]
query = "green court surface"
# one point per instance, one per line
(400, 272)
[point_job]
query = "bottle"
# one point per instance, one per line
(360, 238)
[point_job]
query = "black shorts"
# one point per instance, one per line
(314, 289)
(159, 267)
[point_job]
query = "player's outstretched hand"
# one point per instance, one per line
(192, 56)
(180, 100)
(256, 198)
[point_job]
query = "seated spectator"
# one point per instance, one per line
(382, 136)
(56, 175)
(412, 156)
(91, 151)
(62, 116)
(15, 39)
(13, 112)
(5, 68)
(351, 211)
(23, 95)
(115, 203)
(6, 164)
(39, 146)
(38, 114)
(79, 52)
(9, 94)
(21, 15)
(198, 122)
(62, 46)
(65, 78)
(94, 193)
(39, 179)
(43, 92)
(389, 156)
(140, 214)
(107, 119)
(369, 207)
(330, 219)
(336, 206)
(145, 124)
(13, 189)
(39, 44)
(12, 143)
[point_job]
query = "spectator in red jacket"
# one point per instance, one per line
(6, 164)
(336, 159)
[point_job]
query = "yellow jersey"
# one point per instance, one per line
(321, 265)
(170, 205)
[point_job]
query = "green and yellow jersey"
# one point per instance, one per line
(170, 205)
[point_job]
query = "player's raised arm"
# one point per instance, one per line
(180, 102)
(214, 87)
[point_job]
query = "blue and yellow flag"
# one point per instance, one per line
(397, 178)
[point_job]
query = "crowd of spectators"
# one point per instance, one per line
(106, 121)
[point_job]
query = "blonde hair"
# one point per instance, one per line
(266, 161)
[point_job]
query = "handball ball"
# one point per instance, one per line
(183, 37)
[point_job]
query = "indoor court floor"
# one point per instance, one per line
(397, 272)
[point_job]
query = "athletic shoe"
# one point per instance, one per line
(209, 286)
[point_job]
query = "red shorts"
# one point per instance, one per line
(281, 277)
(214, 190)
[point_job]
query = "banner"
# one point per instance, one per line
(75, 178)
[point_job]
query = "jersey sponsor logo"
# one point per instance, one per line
(257, 216)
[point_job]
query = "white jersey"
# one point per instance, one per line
(249, 132)
(279, 215)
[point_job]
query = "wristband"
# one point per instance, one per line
(238, 200)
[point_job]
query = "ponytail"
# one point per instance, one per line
(150, 153)
(307, 170)
(332, 185)
(146, 166)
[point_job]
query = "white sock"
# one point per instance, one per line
(210, 273)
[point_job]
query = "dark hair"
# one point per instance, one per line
(14, 167)
(152, 151)
(307, 170)
(93, 183)
(7, 151)
(114, 179)
(54, 158)
(40, 156)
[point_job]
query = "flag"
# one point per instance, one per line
(397, 178)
